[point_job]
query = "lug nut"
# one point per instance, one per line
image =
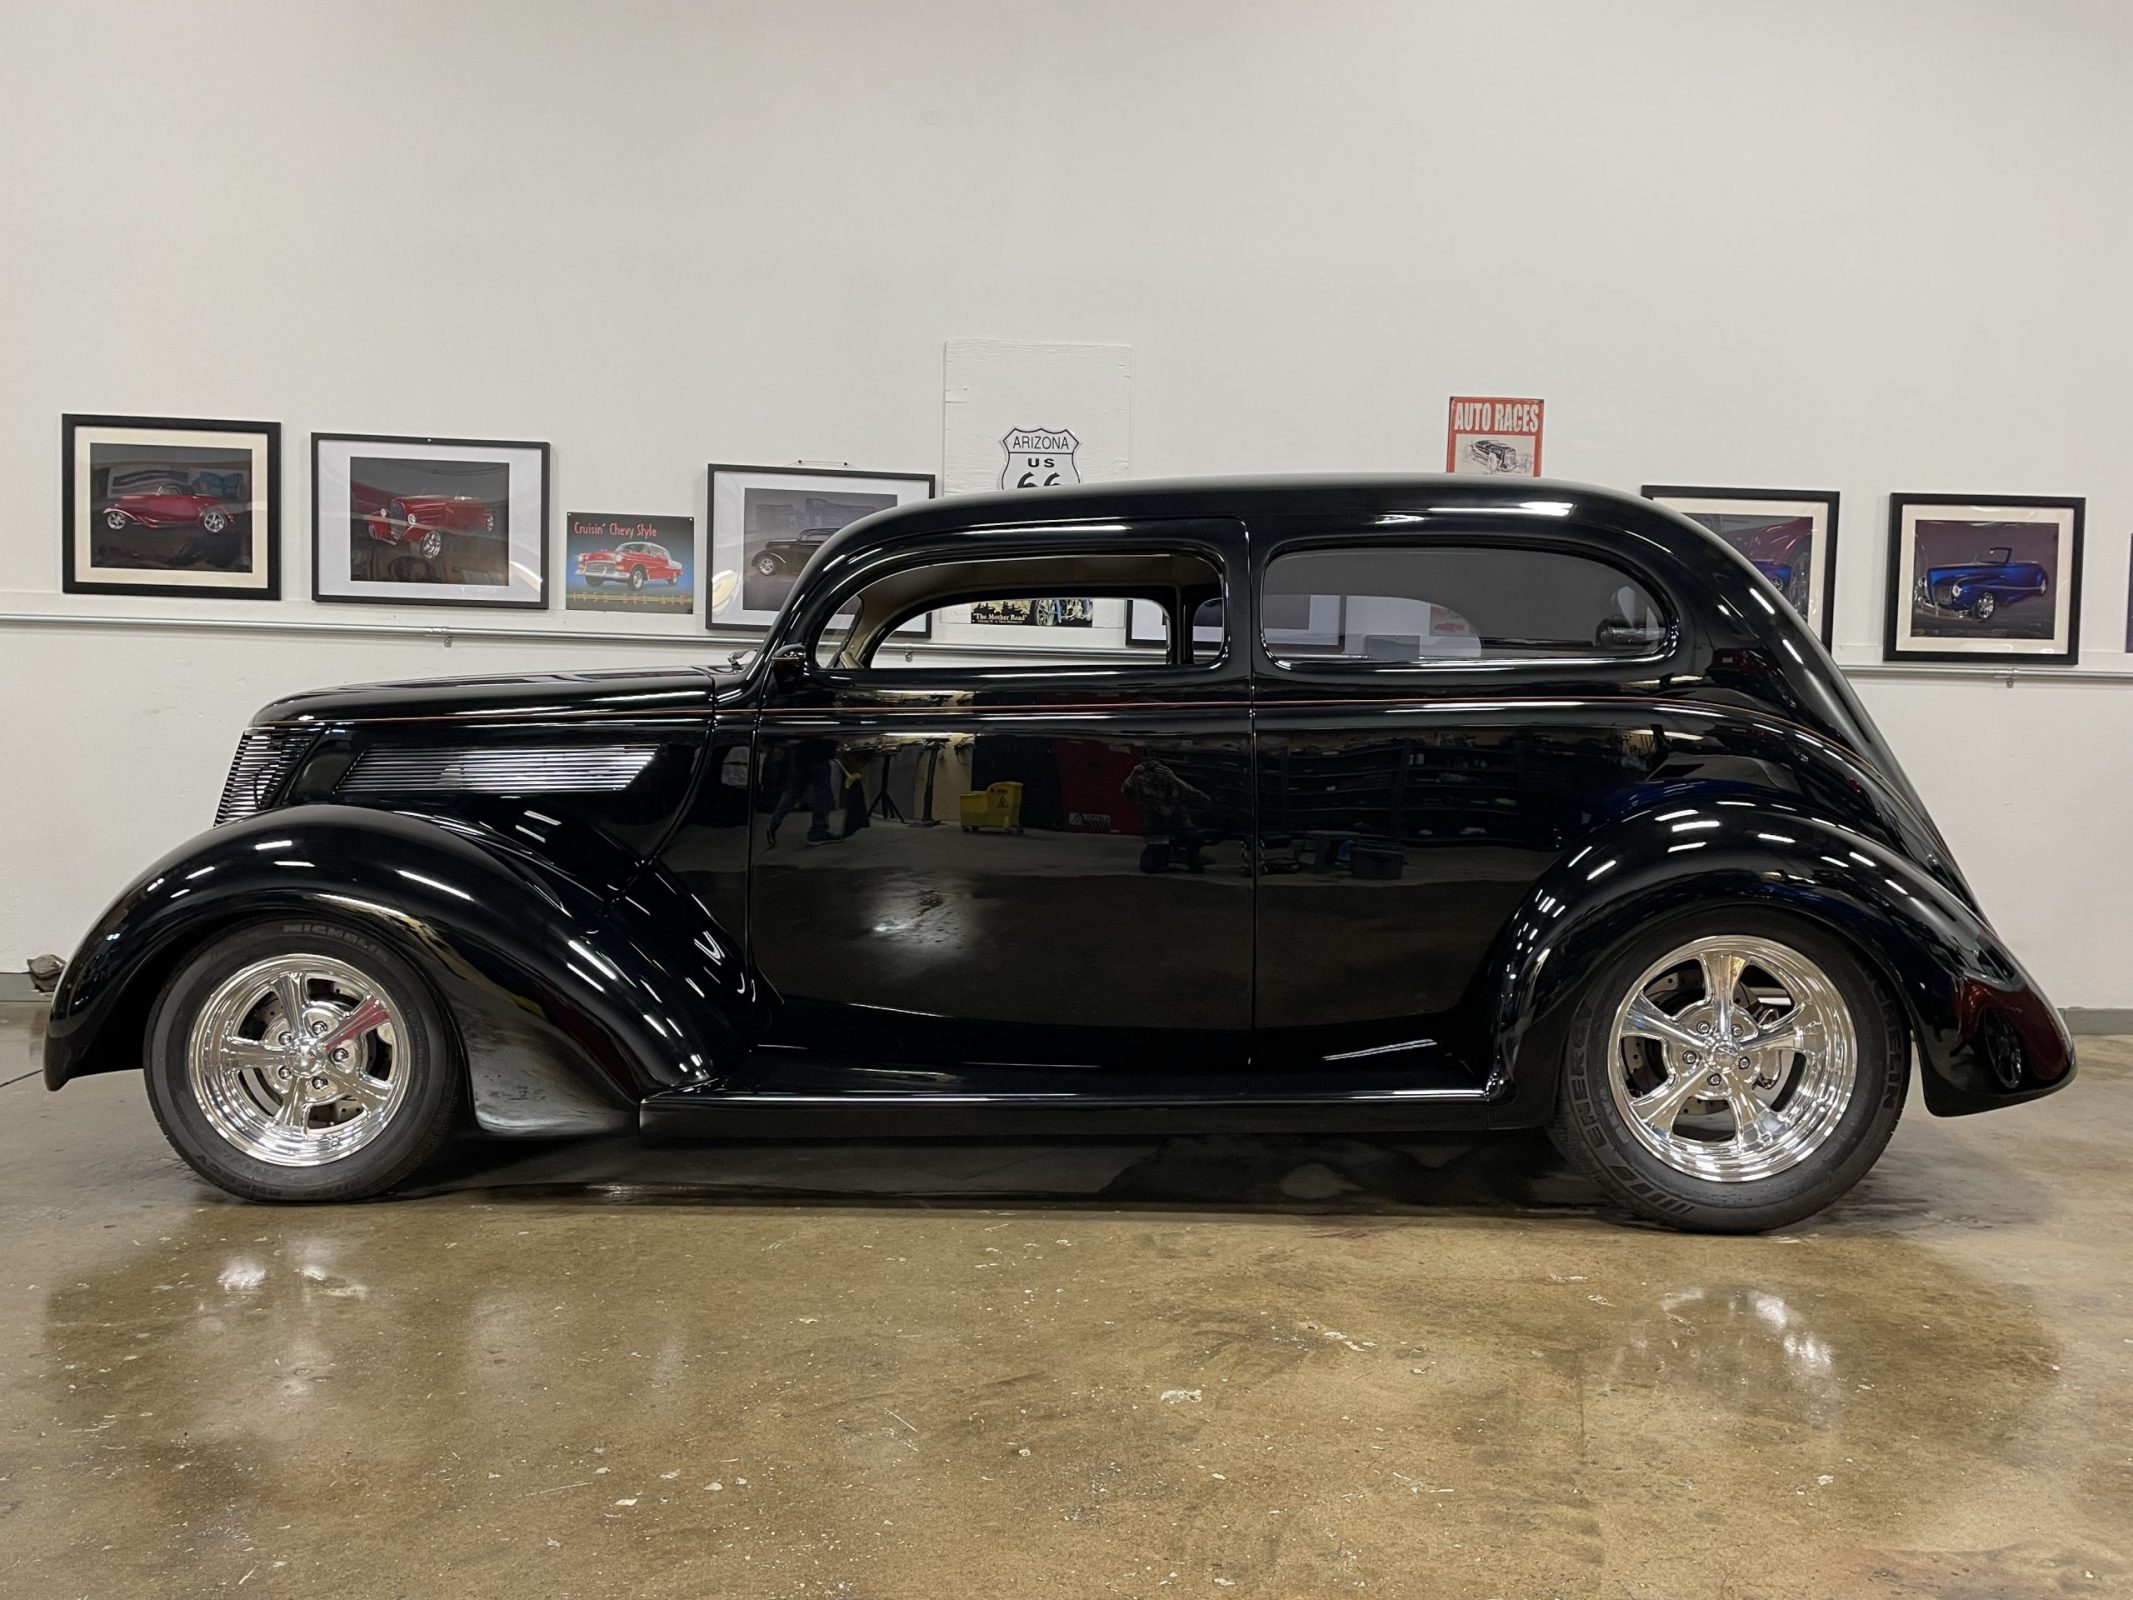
(318, 1081)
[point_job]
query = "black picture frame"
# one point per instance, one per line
(720, 534)
(263, 528)
(538, 601)
(1898, 642)
(1821, 612)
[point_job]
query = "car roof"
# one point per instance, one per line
(1539, 501)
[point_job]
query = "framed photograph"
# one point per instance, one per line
(1790, 535)
(429, 522)
(766, 522)
(1291, 621)
(641, 566)
(1984, 578)
(170, 505)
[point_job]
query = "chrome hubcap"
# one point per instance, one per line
(298, 1060)
(1732, 1059)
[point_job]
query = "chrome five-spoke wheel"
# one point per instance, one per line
(1732, 1058)
(298, 1060)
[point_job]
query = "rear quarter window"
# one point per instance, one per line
(1444, 604)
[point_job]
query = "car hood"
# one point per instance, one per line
(535, 695)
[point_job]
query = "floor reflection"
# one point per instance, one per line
(1250, 1172)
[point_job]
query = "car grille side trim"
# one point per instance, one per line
(265, 758)
(521, 769)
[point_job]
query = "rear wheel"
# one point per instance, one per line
(299, 1060)
(1732, 1071)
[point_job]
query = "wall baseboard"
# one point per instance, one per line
(2097, 1019)
(15, 988)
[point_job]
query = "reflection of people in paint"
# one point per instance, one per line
(808, 779)
(1168, 802)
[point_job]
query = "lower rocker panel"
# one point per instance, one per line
(686, 1115)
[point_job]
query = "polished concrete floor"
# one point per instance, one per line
(1238, 1367)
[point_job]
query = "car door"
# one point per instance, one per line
(1428, 737)
(1038, 865)
(168, 504)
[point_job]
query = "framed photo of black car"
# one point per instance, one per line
(1981, 578)
(1790, 535)
(170, 506)
(767, 522)
(406, 521)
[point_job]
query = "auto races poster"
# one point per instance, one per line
(1490, 434)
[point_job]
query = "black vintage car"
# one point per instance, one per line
(1537, 807)
(784, 558)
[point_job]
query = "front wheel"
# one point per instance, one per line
(1730, 1072)
(299, 1060)
(769, 565)
(636, 579)
(1984, 608)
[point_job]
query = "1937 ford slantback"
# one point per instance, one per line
(1450, 803)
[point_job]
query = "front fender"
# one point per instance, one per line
(1964, 996)
(570, 1009)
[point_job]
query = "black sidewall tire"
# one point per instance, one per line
(422, 1123)
(1592, 1134)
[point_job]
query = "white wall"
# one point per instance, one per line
(1857, 246)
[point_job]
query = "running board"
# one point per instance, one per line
(687, 1115)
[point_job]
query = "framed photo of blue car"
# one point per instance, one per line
(1790, 535)
(1984, 578)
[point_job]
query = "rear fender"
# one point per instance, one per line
(1962, 994)
(569, 1009)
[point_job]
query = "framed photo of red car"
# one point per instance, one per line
(170, 506)
(636, 565)
(767, 522)
(1790, 535)
(449, 522)
(1983, 578)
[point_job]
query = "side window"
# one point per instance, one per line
(1430, 604)
(1005, 600)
